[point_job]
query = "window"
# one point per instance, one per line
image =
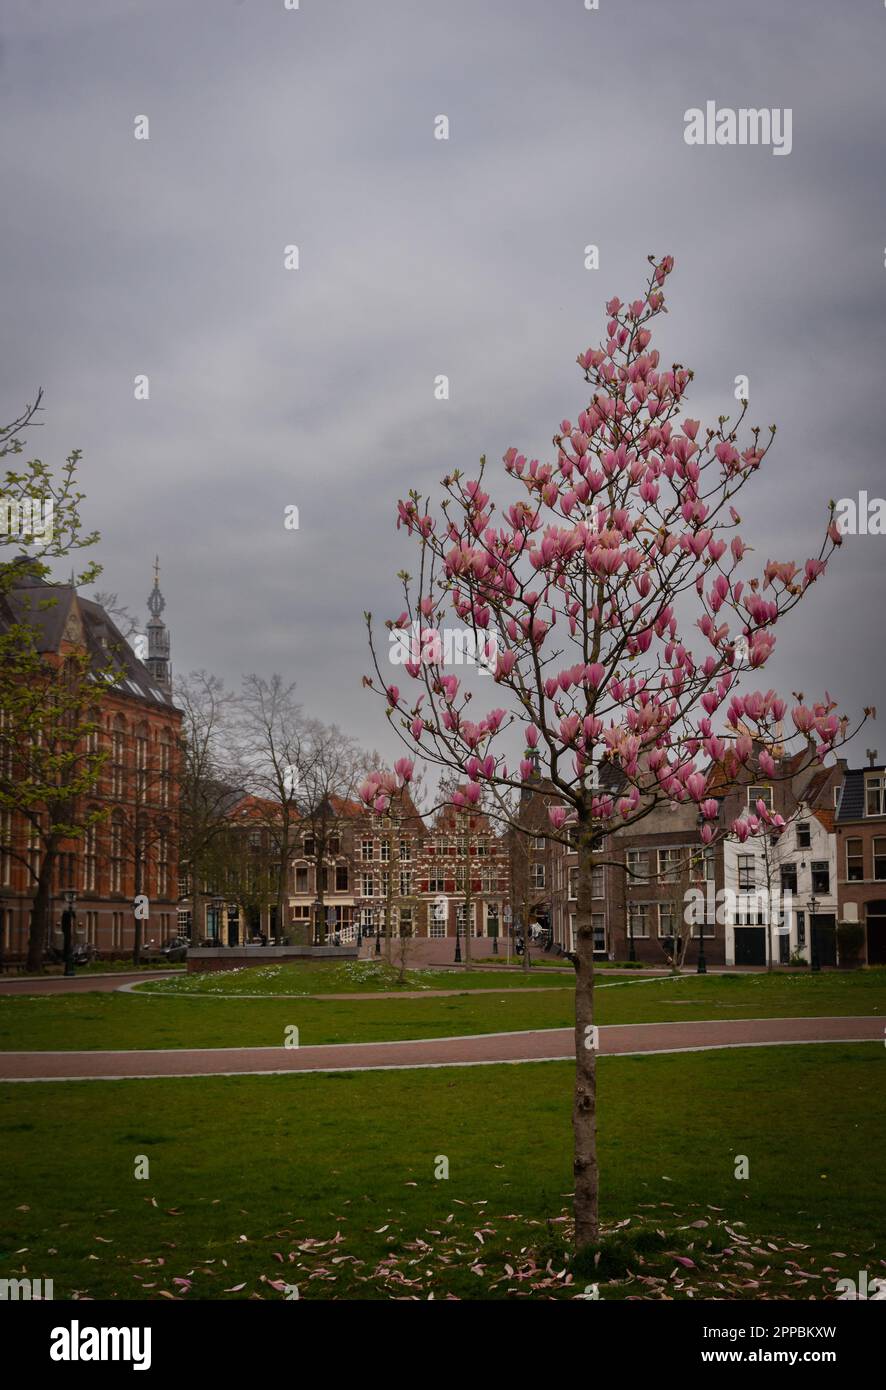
(162, 865)
(638, 919)
(880, 857)
(436, 882)
(597, 881)
(460, 916)
(855, 860)
(405, 850)
(747, 872)
(141, 761)
(598, 925)
(538, 842)
(118, 738)
(301, 878)
(638, 867)
(309, 846)
(366, 851)
(821, 876)
(667, 919)
(763, 794)
(789, 878)
(873, 796)
(341, 878)
(668, 865)
(405, 883)
(801, 928)
(537, 875)
(386, 851)
(708, 929)
(165, 767)
(117, 854)
(6, 847)
(436, 927)
(482, 847)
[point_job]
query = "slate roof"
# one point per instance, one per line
(47, 608)
(851, 805)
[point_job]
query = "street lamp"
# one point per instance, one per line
(69, 919)
(814, 963)
(495, 933)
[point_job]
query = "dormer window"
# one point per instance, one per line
(874, 796)
(763, 794)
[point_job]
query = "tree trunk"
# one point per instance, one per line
(584, 1109)
(40, 912)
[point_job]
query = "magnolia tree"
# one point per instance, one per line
(574, 589)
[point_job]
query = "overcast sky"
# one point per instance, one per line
(315, 388)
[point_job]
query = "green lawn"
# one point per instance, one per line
(132, 1020)
(345, 977)
(328, 1183)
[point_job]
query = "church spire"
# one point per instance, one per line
(157, 660)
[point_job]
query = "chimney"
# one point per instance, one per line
(872, 755)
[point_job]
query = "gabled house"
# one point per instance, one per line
(860, 827)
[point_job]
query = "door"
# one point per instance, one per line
(750, 945)
(824, 939)
(876, 925)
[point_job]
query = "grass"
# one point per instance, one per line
(341, 977)
(150, 1019)
(328, 1183)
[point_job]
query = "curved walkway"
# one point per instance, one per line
(536, 1045)
(80, 984)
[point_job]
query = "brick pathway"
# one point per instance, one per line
(57, 984)
(550, 1044)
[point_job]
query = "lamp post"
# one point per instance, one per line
(495, 933)
(69, 918)
(814, 963)
(457, 940)
(359, 912)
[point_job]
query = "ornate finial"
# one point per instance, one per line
(156, 601)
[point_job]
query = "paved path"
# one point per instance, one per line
(538, 1045)
(80, 984)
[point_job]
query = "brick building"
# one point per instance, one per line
(133, 849)
(860, 830)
